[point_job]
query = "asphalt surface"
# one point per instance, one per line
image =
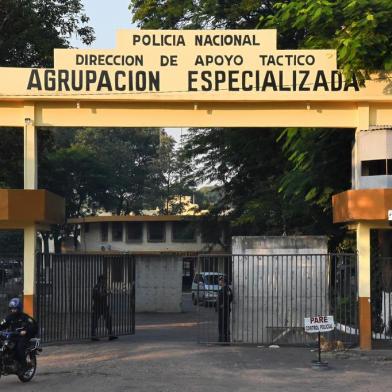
(163, 356)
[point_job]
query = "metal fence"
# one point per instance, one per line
(381, 300)
(11, 280)
(268, 296)
(79, 296)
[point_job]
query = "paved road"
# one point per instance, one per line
(164, 357)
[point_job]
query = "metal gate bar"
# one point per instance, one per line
(271, 296)
(65, 306)
(11, 280)
(381, 300)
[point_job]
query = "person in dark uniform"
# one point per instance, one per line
(101, 308)
(17, 321)
(224, 306)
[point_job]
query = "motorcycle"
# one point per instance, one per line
(8, 363)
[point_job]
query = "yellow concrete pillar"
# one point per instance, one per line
(364, 276)
(30, 149)
(30, 182)
(30, 243)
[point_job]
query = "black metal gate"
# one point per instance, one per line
(11, 280)
(272, 294)
(381, 297)
(67, 306)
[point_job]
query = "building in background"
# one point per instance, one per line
(166, 249)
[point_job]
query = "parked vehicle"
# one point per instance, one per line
(205, 287)
(8, 363)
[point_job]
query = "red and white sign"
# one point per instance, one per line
(319, 324)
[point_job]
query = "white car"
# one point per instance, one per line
(205, 287)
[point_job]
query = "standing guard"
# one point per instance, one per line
(224, 300)
(101, 308)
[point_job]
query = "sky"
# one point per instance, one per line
(106, 17)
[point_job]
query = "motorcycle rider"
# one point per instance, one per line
(17, 321)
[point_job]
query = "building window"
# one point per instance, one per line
(377, 167)
(156, 231)
(104, 231)
(187, 267)
(134, 232)
(117, 231)
(183, 232)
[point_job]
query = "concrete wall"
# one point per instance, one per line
(277, 281)
(265, 245)
(158, 283)
(371, 145)
(91, 242)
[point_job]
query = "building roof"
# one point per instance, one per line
(132, 218)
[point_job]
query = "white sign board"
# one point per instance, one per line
(319, 324)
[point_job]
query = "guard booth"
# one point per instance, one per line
(192, 79)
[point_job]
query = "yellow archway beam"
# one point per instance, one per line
(195, 114)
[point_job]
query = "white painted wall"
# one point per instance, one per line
(91, 242)
(371, 145)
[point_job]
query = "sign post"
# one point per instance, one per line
(318, 324)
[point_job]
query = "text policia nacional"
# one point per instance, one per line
(129, 76)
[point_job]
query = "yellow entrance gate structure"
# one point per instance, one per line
(190, 79)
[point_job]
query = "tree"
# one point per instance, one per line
(74, 173)
(171, 170)
(31, 29)
(127, 154)
(360, 30)
(179, 14)
(244, 164)
(295, 198)
(100, 169)
(310, 152)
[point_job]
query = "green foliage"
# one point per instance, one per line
(121, 170)
(31, 29)
(360, 30)
(171, 171)
(264, 185)
(268, 184)
(188, 14)
(111, 169)
(127, 156)
(75, 174)
(318, 166)
(244, 165)
(207, 196)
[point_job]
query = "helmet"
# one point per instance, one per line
(15, 303)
